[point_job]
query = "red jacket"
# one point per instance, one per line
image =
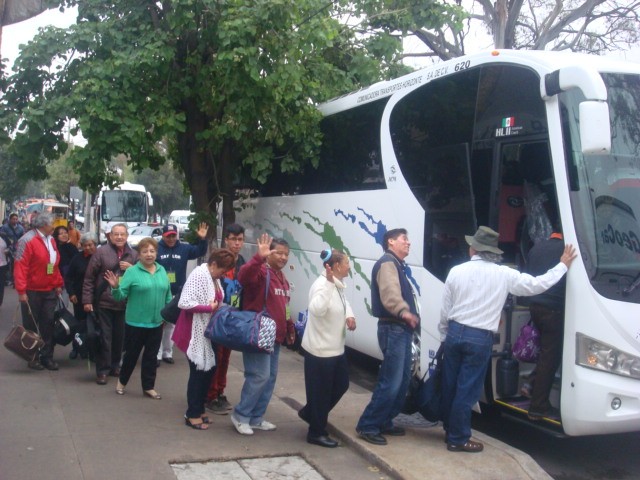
(253, 277)
(30, 268)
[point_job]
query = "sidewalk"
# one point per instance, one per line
(61, 425)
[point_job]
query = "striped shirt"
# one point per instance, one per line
(475, 292)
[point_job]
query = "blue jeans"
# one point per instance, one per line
(467, 352)
(393, 379)
(260, 372)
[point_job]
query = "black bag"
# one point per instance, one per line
(426, 396)
(170, 312)
(92, 339)
(65, 326)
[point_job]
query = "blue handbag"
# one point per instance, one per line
(243, 330)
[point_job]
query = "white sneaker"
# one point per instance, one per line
(242, 428)
(264, 425)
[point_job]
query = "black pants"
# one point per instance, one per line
(147, 341)
(326, 379)
(42, 305)
(197, 388)
(3, 280)
(111, 341)
(550, 324)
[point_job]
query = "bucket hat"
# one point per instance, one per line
(484, 240)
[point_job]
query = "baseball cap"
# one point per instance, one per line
(169, 229)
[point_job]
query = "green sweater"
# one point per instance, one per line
(146, 294)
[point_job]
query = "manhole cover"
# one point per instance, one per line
(272, 468)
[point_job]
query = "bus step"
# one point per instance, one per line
(517, 408)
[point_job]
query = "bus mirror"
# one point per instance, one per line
(595, 129)
(150, 199)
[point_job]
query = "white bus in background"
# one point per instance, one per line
(126, 203)
(180, 218)
(513, 140)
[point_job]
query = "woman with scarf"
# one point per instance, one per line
(201, 295)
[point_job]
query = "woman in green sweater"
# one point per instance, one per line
(147, 288)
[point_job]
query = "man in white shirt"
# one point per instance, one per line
(474, 295)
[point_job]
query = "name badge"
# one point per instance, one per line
(172, 277)
(49, 268)
(288, 312)
(235, 301)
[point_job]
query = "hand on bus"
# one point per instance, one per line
(88, 307)
(203, 228)
(568, 255)
(264, 245)
(351, 323)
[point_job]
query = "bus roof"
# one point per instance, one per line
(543, 61)
(135, 187)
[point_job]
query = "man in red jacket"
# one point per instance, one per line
(38, 282)
(260, 370)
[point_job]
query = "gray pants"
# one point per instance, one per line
(42, 305)
(111, 341)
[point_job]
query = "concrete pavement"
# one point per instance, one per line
(61, 425)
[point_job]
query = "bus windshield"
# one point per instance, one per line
(605, 191)
(124, 206)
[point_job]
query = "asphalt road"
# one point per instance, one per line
(607, 457)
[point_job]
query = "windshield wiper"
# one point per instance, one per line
(627, 291)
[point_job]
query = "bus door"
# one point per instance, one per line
(524, 210)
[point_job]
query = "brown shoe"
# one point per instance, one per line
(101, 379)
(470, 446)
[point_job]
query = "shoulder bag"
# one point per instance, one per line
(65, 324)
(243, 330)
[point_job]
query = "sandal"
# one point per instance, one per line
(206, 420)
(153, 394)
(196, 426)
(120, 388)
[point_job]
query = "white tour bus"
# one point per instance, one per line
(126, 203)
(514, 140)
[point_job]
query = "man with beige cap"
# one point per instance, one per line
(474, 295)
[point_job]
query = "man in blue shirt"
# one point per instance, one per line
(173, 255)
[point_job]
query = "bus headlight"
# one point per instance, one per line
(595, 354)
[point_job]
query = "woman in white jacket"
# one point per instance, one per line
(326, 376)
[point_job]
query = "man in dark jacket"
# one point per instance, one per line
(393, 302)
(115, 256)
(173, 255)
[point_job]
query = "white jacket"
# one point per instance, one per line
(326, 326)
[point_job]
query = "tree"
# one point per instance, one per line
(12, 185)
(61, 177)
(592, 26)
(225, 84)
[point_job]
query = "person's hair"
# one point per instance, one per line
(147, 242)
(223, 258)
(88, 237)
(233, 229)
(13, 214)
(58, 229)
(42, 220)
(392, 235)
(331, 257)
(123, 225)
(279, 241)
(490, 256)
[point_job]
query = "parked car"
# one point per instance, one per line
(142, 231)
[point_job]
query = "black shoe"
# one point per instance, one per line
(395, 431)
(50, 365)
(322, 440)
(114, 372)
(168, 360)
(158, 363)
(374, 438)
(35, 365)
(73, 354)
(470, 447)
